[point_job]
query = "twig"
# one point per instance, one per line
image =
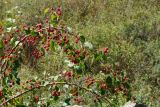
(71, 84)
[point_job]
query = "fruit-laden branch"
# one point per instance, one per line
(6, 61)
(56, 83)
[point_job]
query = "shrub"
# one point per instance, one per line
(33, 42)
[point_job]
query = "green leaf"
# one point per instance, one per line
(67, 101)
(98, 57)
(56, 88)
(8, 24)
(78, 60)
(28, 31)
(69, 47)
(83, 65)
(117, 82)
(52, 45)
(104, 58)
(1, 44)
(102, 91)
(10, 76)
(97, 84)
(53, 17)
(18, 81)
(33, 33)
(109, 81)
(56, 98)
(1, 52)
(82, 39)
(5, 80)
(54, 21)
(78, 69)
(82, 57)
(12, 42)
(126, 85)
(46, 10)
(20, 105)
(63, 43)
(48, 104)
(43, 51)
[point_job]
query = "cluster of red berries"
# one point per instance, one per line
(37, 84)
(59, 11)
(36, 98)
(77, 52)
(55, 93)
(5, 41)
(31, 41)
(1, 93)
(9, 56)
(74, 58)
(47, 20)
(37, 54)
(103, 86)
(47, 45)
(32, 84)
(39, 28)
(105, 50)
(51, 30)
(68, 75)
(61, 40)
(66, 40)
(77, 39)
(28, 81)
(78, 100)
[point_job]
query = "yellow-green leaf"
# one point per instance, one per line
(1, 44)
(46, 10)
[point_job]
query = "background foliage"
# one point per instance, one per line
(130, 28)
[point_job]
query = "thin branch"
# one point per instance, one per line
(55, 83)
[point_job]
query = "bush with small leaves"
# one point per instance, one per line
(31, 43)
